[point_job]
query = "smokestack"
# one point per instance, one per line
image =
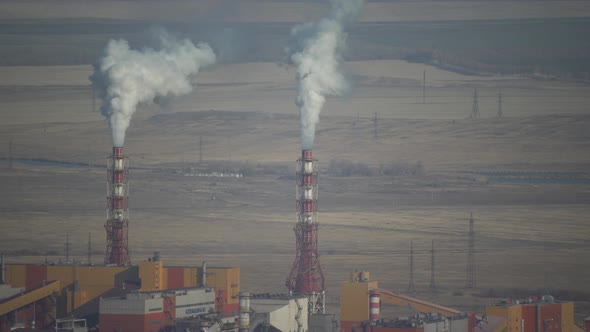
(204, 275)
(374, 305)
(117, 251)
(306, 276)
(244, 323)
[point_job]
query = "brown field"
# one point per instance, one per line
(530, 235)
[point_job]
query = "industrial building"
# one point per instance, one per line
(154, 311)
(41, 293)
(360, 306)
(537, 313)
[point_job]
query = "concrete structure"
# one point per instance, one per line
(152, 311)
(535, 314)
(306, 276)
(279, 313)
(117, 251)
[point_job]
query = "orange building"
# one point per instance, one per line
(80, 284)
(535, 314)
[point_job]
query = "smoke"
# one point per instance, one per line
(127, 78)
(317, 53)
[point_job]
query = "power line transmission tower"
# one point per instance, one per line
(67, 247)
(432, 283)
(375, 126)
(475, 108)
(200, 149)
(424, 87)
(471, 255)
(89, 249)
(10, 154)
(500, 104)
(411, 287)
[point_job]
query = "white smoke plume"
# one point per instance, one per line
(127, 78)
(317, 54)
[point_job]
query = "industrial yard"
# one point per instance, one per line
(212, 178)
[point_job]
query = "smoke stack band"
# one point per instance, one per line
(117, 251)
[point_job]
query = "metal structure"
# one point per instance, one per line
(306, 277)
(471, 255)
(500, 112)
(432, 282)
(117, 251)
(411, 287)
(475, 107)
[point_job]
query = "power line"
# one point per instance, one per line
(500, 104)
(375, 126)
(89, 249)
(432, 283)
(475, 108)
(67, 247)
(470, 254)
(411, 287)
(424, 87)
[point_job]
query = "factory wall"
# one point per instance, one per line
(151, 311)
(132, 323)
(532, 317)
(226, 282)
(354, 301)
(195, 302)
(154, 276)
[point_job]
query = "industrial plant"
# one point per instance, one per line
(149, 296)
(161, 293)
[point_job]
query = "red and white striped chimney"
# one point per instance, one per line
(374, 306)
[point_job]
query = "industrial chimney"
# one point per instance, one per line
(117, 252)
(306, 277)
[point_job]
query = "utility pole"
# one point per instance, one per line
(411, 287)
(67, 247)
(432, 283)
(89, 249)
(500, 104)
(475, 108)
(229, 148)
(200, 149)
(470, 255)
(424, 87)
(375, 126)
(10, 154)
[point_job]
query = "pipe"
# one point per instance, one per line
(204, 275)
(244, 323)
